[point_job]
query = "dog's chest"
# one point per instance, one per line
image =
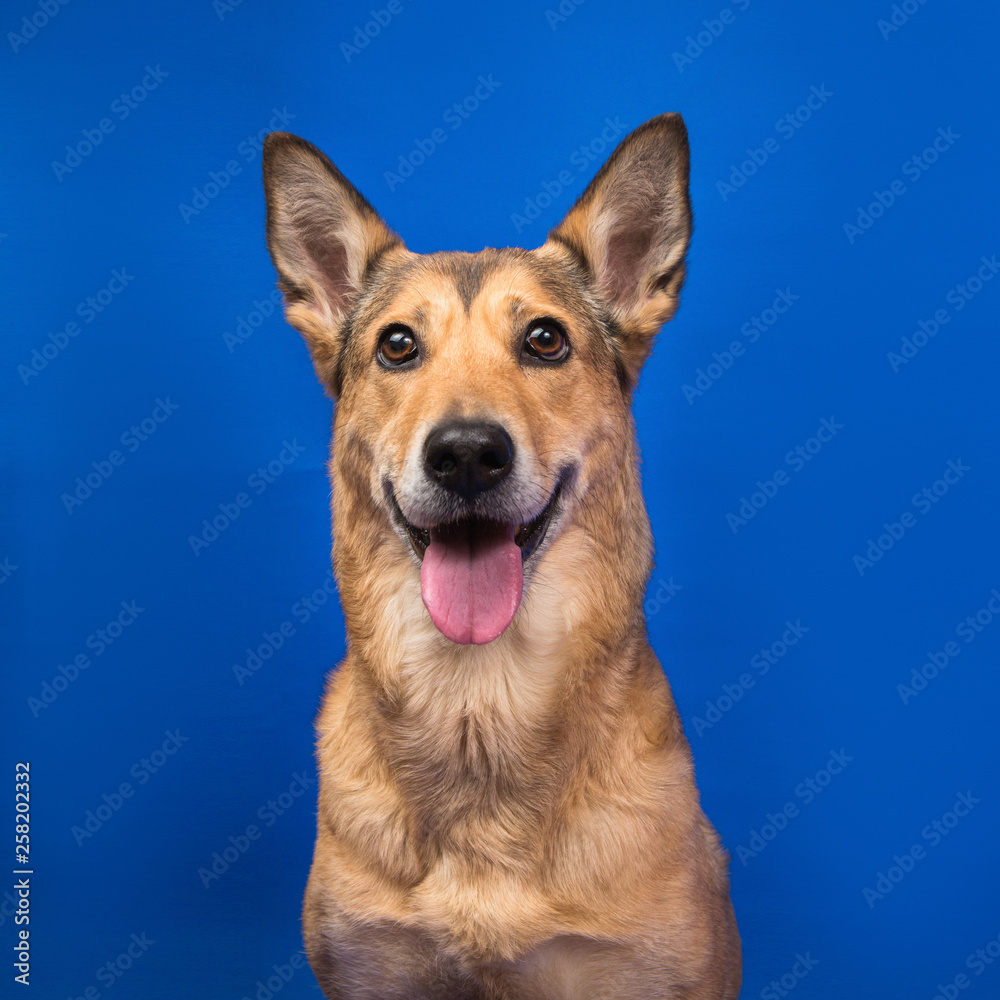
(485, 912)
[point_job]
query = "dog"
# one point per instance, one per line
(507, 805)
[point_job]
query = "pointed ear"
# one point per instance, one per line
(323, 238)
(631, 229)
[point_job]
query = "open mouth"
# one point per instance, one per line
(471, 570)
(527, 536)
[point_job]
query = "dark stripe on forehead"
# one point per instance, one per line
(468, 271)
(471, 271)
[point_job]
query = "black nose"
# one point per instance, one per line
(468, 458)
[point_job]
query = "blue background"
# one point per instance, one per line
(723, 595)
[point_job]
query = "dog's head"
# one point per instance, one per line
(484, 399)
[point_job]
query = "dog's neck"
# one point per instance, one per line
(492, 718)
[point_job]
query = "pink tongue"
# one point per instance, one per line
(470, 581)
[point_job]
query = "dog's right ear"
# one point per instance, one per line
(630, 230)
(323, 237)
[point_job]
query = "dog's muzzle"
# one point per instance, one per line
(475, 537)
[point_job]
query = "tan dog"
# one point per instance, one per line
(507, 804)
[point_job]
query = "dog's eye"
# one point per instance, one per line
(397, 346)
(546, 341)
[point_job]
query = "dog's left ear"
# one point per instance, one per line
(631, 230)
(323, 237)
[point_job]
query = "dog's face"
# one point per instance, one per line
(482, 396)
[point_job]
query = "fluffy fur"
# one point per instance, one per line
(517, 820)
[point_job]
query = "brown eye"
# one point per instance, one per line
(397, 346)
(546, 341)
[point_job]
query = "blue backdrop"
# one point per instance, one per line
(818, 427)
